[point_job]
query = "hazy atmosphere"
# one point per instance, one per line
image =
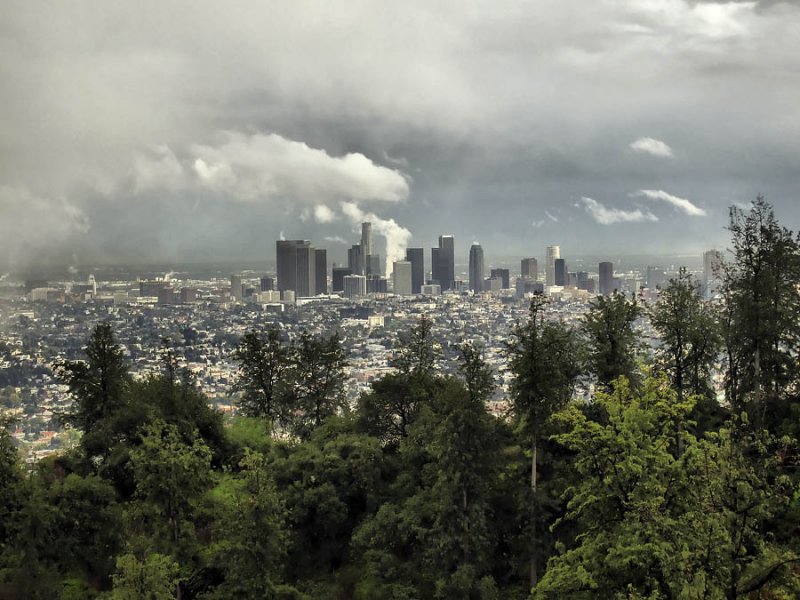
(153, 131)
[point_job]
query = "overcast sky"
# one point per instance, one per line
(205, 130)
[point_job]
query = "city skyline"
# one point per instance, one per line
(618, 128)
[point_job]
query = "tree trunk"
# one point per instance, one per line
(534, 564)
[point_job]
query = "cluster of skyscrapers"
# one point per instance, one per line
(302, 271)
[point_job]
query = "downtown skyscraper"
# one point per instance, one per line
(296, 262)
(416, 256)
(476, 267)
(553, 252)
(606, 282)
(443, 267)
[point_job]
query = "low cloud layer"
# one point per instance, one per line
(32, 223)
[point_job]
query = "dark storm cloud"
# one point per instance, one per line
(202, 129)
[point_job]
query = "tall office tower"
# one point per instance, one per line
(366, 246)
(553, 252)
(529, 268)
(476, 267)
(560, 272)
(320, 271)
(296, 261)
(416, 256)
(92, 285)
(355, 286)
(267, 284)
(447, 262)
(403, 278)
(656, 277)
(354, 259)
(582, 280)
(435, 265)
(236, 287)
(374, 265)
(503, 275)
(606, 283)
(712, 263)
(338, 275)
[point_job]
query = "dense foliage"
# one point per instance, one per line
(647, 486)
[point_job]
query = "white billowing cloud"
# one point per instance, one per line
(681, 204)
(261, 167)
(396, 235)
(608, 216)
(323, 214)
(652, 146)
(29, 222)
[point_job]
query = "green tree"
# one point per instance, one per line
(612, 340)
(395, 399)
(250, 541)
(264, 360)
(690, 344)
(171, 475)
(433, 536)
(417, 351)
(11, 480)
(327, 485)
(153, 578)
(478, 376)
(762, 318)
(87, 522)
(649, 522)
(98, 386)
(544, 360)
(317, 379)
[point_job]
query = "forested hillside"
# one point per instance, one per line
(656, 487)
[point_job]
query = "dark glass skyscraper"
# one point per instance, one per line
(503, 275)
(296, 261)
(606, 283)
(529, 268)
(446, 269)
(321, 271)
(560, 266)
(354, 260)
(476, 267)
(337, 278)
(416, 256)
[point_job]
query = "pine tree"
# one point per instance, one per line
(612, 340)
(544, 359)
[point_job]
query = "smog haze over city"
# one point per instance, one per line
(185, 132)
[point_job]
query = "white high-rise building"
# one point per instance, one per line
(366, 246)
(553, 252)
(402, 278)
